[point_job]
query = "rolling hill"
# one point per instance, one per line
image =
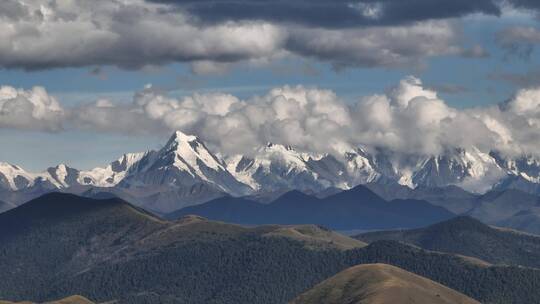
(62, 245)
(467, 236)
(380, 283)
(358, 208)
(68, 300)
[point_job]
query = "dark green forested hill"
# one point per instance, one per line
(467, 236)
(60, 245)
(108, 249)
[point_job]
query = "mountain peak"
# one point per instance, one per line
(183, 144)
(278, 147)
(180, 136)
(63, 176)
(14, 177)
(188, 150)
(186, 162)
(59, 167)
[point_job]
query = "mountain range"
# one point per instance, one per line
(109, 250)
(509, 208)
(356, 209)
(186, 172)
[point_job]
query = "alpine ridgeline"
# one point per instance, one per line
(185, 172)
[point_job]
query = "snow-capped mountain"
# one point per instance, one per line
(361, 167)
(524, 173)
(456, 167)
(63, 176)
(277, 167)
(14, 178)
(186, 172)
(182, 173)
(18, 186)
(527, 167)
(116, 171)
(184, 161)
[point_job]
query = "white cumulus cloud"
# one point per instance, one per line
(408, 119)
(31, 109)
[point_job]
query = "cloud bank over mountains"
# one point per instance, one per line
(409, 118)
(213, 36)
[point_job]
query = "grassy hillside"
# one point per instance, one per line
(68, 300)
(380, 283)
(469, 237)
(106, 249)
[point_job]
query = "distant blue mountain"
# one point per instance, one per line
(358, 208)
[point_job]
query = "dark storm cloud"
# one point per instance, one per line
(213, 36)
(135, 34)
(527, 4)
(333, 13)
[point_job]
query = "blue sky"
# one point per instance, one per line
(462, 81)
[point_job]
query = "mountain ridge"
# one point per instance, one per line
(466, 236)
(185, 172)
(358, 208)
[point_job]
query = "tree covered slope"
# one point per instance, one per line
(106, 250)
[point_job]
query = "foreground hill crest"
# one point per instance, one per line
(379, 284)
